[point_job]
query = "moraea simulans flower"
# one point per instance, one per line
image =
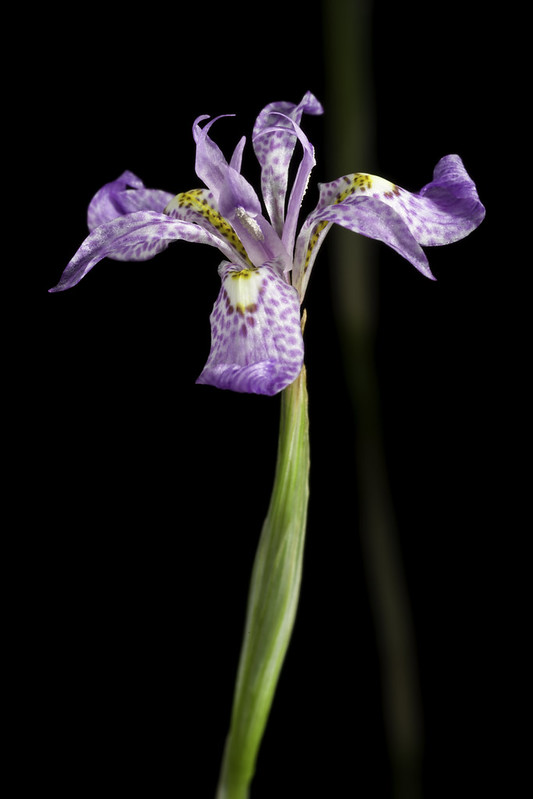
(256, 337)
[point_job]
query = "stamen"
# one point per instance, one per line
(249, 223)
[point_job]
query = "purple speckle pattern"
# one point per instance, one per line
(256, 338)
(199, 207)
(443, 211)
(257, 342)
(137, 236)
(274, 140)
(122, 196)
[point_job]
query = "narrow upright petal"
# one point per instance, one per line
(210, 164)
(229, 188)
(236, 200)
(256, 337)
(123, 196)
(301, 180)
(274, 139)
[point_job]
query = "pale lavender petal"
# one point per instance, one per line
(299, 186)
(235, 193)
(447, 209)
(444, 211)
(274, 141)
(247, 238)
(134, 237)
(366, 216)
(235, 199)
(256, 338)
(210, 164)
(229, 188)
(261, 241)
(123, 196)
(198, 206)
(236, 158)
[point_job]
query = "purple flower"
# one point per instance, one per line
(256, 338)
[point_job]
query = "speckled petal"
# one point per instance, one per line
(198, 206)
(236, 200)
(366, 216)
(134, 237)
(301, 180)
(444, 211)
(123, 196)
(274, 140)
(256, 338)
(447, 209)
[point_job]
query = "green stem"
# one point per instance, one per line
(273, 596)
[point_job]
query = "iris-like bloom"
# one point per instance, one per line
(256, 337)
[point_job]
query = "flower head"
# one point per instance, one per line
(256, 337)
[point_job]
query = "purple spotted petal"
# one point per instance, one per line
(448, 208)
(368, 217)
(247, 239)
(444, 211)
(198, 206)
(256, 338)
(134, 237)
(123, 196)
(301, 179)
(274, 140)
(236, 200)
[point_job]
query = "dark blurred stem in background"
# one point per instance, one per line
(349, 148)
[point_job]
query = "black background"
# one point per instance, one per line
(142, 494)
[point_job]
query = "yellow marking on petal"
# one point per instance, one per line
(243, 288)
(313, 241)
(244, 274)
(197, 202)
(359, 182)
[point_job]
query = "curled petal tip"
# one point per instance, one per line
(311, 105)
